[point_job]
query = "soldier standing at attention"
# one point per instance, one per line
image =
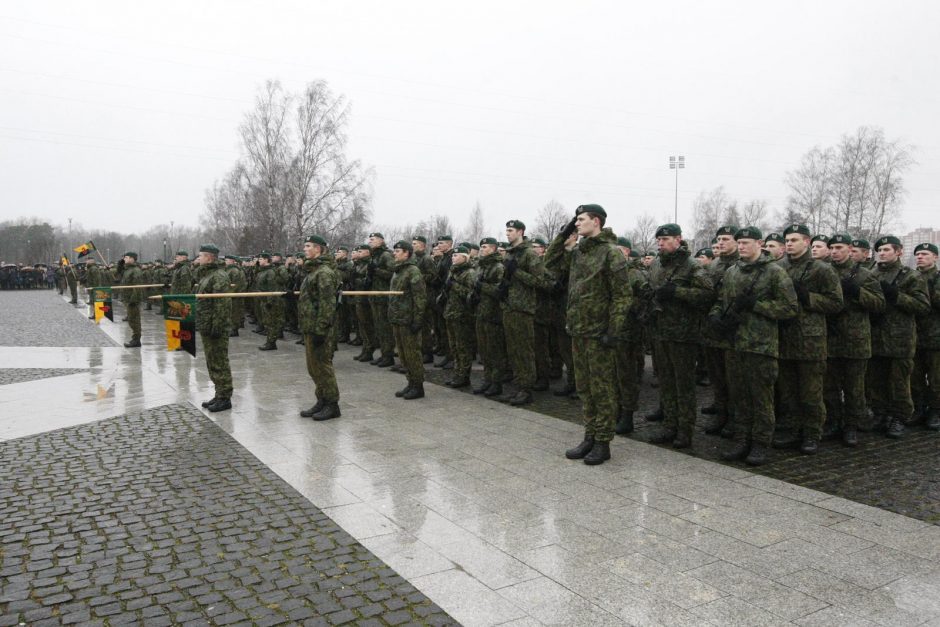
(344, 316)
(893, 337)
(360, 258)
(861, 253)
(380, 276)
(129, 274)
(848, 340)
(489, 325)
(316, 307)
(236, 278)
(629, 351)
(272, 307)
(819, 247)
(181, 279)
(426, 265)
(803, 342)
(599, 301)
(458, 313)
(681, 292)
(92, 279)
(406, 314)
(925, 384)
(213, 321)
(755, 294)
(774, 246)
(444, 251)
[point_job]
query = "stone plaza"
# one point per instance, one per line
(123, 502)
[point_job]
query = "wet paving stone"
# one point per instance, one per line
(43, 318)
(162, 518)
(9, 376)
(896, 475)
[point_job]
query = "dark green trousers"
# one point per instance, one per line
(889, 383)
(717, 374)
(409, 351)
(461, 332)
(801, 392)
(519, 328)
(133, 319)
(628, 379)
(754, 402)
(320, 368)
(366, 329)
(492, 349)
(596, 378)
(677, 385)
(216, 352)
(844, 392)
(383, 329)
(925, 380)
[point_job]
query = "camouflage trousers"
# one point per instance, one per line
(801, 392)
(290, 313)
(460, 335)
(320, 368)
(366, 329)
(492, 350)
(595, 374)
(440, 334)
(889, 383)
(383, 328)
(238, 313)
(844, 391)
(216, 351)
(73, 289)
(677, 385)
(628, 376)
(409, 351)
(343, 320)
(427, 333)
(133, 319)
(718, 375)
(754, 401)
(925, 380)
(272, 317)
(519, 329)
(543, 356)
(563, 341)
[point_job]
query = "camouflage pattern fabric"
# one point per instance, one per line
(380, 271)
(893, 333)
(754, 397)
(271, 307)
(844, 391)
(458, 313)
(316, 307)
(213, 320)
(182, 280)
(409, 351)
(594, 365)
(889, 386)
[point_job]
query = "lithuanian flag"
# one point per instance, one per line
(85, 249)
(63, 260)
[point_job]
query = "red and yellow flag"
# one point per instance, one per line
(85, 249)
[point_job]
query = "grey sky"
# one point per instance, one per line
(121, 114)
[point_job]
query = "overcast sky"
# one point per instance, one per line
(121, 114)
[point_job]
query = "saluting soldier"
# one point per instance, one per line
(458, 313)
(361, 258)
(129, 274)
(925, 382)
(426, 265)
(269, 279)
(406, 313)
(380, 276)
(213, 321)
(489, 324)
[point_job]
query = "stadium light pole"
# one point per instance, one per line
(677, 163)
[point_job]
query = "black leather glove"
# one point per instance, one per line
(372, 267)
(666, 292)
(450, 282)
(744, 302)
(802, 294)
(318, 340)
(891, 292)
(473, 298)
(288, 294)
(569, 228)
(511, 266)
(850, 288)
(415, 328)
(559, 287)
(503, 291)
(608, 341)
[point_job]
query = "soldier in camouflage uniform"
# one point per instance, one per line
(444, 250)
(458, 313)
(861, 253)
(774, 245)
(546, 356)
(316, 306)
(428, 268)
(629, 352)
(522, 276)
(925, 382)
(269, 279)
(755, 294)
(380, 276)
(361, 282)
(129, 274)
(92, 280)
(849, 340)
(213, 321)
(181, 277)
(71, 279)
(344, 310)
(237, 278)
(599, 299)
(556, 270)
(489, 325)
(819, 247)
(680, 292)
(406, 314)
(893, 337)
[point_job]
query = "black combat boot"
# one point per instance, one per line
(329, 410)
(786, 439)
(134, 343)
(656, 416)
(895, 428)
(719, 424)
(624, 422)
(356, 342)
(757, 456)
(736, 452)
(682, 441)
(582, 449)
(149, 306)
(522, 397)
(809, 446)
(458, 382)
(220, 404)
(850, 436)
(933, 419)
(402, 391)
(364, 356)
(260, 331)
(233, 333)
(416, 391)
(398, 369)
(540, 385)
(269, 346)
(427, 358)
(663, 436)
(709, 410)
(599, 454)
(308, 413)
(495, 389)
(210, 401)
(385, 362)
(506, 397)
(565, 390)
(483, 387)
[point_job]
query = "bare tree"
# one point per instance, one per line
(643, 234)
(708, 212)
(754, 213)
(475, 226)
(550, 219)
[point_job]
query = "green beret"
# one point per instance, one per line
(467, 244)
(276, 255)
(363, 247)
(462, 250)
(539, 241)
(232, 257)
(928, 247)
(504, 245)
(820, 238)
(181, 252)
(316, 239)
(473, 246)
(705, 252)
(516, 224)
(774, 237)
(420, 238)
(840, 238)
(595, 209)
(264, 254)
(377, 234)
(131, 254)
(858, 242)
(445, 238)
(669, 230)
(887, 239)
(209, 248)
(403, 245)
(343, 248)
(748, 232)
(634, 254)
(488, 240)
(802, 229)
(299, 255)
(623, 241)
(728, 229)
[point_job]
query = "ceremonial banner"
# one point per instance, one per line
(101, 298)
(179, 314)
(85, 249)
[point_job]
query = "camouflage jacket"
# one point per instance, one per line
(716, 274)
(360, 276)
(213, 315)
(849, 332)
(757, 330)
(928, 324)
(679, 319)
(182, 280)
(269, 279)
(284, 275)
(893, 333)
(489, 276)
(236, 277)
(427, 267)
(804, 337)
(316, 301)
(408, 308)
(132, 275)
(639, 283)
(442, 270)
(381, 262)
(346, 271)
(458, 288)
(599, 291)
(523, 276)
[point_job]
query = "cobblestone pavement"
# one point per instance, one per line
(34, 318)
(900, 476)
(161, 518)
(9, 376)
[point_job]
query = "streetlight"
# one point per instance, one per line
(70, 239)
(677, 163)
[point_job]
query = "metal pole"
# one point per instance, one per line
(676, 210)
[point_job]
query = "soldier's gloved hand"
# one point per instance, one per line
(503, 291)
(802, 294)
(569, 228)
(559, 286)
(850, 288)
(511, 266)
(744, 302)
(166, 286)
(473, 298)
(371, 269)
(450, 282)
(415, 328)
(608, 341)
(318, 340)
(891, 292)
(666, 292)
(288, 294)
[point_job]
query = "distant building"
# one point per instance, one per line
(918, 236)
